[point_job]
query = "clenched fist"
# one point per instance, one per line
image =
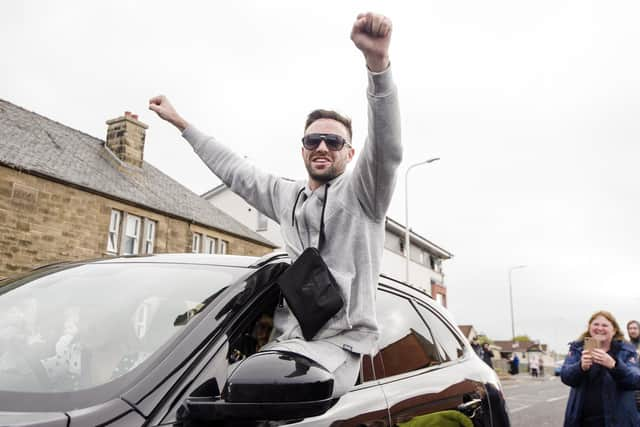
(371, 33)
(161, 105)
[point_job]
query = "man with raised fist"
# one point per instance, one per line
(355, 204)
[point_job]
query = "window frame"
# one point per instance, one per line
(223, 247)
(196, 243)
(115, 230)
(208, 240)
(146, 241)
(138, 237)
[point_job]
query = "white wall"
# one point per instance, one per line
(394, 265)
(235, 206)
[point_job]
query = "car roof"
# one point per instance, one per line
(184, 258)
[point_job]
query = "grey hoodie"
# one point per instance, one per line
(354, 218)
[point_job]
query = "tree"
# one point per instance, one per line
(522, 338)
(482, 338)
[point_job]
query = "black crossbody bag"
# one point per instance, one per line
(311, 291)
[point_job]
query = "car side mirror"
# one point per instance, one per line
(269, 385)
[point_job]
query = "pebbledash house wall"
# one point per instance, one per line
(44, 221)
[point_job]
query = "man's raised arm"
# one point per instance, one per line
(375, 171)
(161, 105)
(257, 187)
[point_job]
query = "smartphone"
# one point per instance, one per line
(590, 343)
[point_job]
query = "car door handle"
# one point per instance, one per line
(470, 408)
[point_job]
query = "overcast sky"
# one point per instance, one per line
(532, 106)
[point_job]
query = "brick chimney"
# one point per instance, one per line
(125, 138)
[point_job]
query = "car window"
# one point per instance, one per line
(445, 337)
(81, 327)
(405, 343)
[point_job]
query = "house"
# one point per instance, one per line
(468, 331)
(66, 195)
(524, 350)
(426, 257)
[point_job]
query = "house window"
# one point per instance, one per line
(114, 231)
(223, 246)
(195, 243)
(149, 235)
(210, 244)
(262, 222)
(131, 235)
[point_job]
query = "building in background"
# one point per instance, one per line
(426, 257)
(468, 331)
(66, 195)
(525, 350)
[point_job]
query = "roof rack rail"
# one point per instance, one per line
(403, 283)
(272, 256)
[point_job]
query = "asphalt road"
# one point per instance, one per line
(535, 402)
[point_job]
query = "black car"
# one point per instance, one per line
(173, 340)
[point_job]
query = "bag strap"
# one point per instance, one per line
(324, 205)
(321, 238)
(293, 211)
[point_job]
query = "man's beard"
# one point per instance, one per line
(326, 175)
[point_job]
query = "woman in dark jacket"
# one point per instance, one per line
(602, 380)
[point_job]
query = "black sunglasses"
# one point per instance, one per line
(333, 142)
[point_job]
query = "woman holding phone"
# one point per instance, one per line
(602, 371)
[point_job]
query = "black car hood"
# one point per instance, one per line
(25, 419)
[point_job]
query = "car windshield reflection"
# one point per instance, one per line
(84, 326)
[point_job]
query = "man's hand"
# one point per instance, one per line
(586, 360)
(161, 105)
(371, 33)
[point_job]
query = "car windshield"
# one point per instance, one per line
(80, 327)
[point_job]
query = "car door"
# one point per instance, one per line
(423, 369)
(364, 405)
(204, 354)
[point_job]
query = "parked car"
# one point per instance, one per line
(172, 340)
(557, 367)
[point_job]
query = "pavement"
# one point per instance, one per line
(535, 401)
(523, 377)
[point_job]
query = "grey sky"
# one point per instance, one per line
(532, 107)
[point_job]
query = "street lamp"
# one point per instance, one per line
(513, 329)
(407, 243)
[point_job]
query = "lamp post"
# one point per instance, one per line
(407, 243)
(513, 329)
